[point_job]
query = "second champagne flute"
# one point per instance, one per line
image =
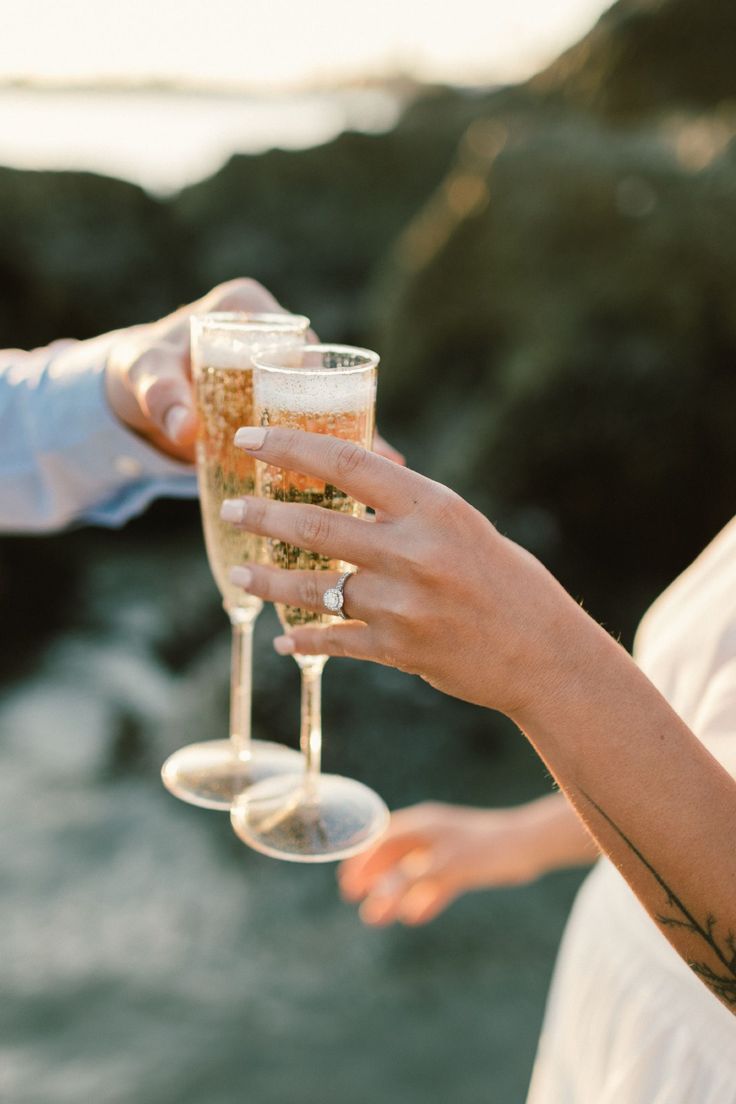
(313, 817)
(213, 773)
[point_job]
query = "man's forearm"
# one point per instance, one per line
(655, 800)
(64, 457)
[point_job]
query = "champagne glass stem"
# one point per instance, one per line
(241, 679)
(310, 736)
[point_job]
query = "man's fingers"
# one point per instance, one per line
(381, 447)
(167, 400)
(241, 294)
(180, 425)
(169, 406)
(234, 295)
(369, 478)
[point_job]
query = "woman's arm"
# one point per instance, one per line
(441, 593)
(657, 802)
(433, 853)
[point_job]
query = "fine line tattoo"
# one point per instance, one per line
(723, 984)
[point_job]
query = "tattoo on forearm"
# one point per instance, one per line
(721, 976)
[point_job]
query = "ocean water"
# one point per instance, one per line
(146, 956)
(164, 140)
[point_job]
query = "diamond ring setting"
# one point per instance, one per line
(333, 598)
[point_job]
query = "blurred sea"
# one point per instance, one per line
(165, 140)
(147, 957)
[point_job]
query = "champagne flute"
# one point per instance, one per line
(211, 774)
(311, 817)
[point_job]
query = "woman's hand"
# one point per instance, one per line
(433, 853)
(438, 591)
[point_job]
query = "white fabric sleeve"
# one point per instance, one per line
(64, 457)
(715, 723)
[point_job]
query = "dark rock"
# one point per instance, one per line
(569, 297)
(313, 224)
(81, 254)
(646, 56)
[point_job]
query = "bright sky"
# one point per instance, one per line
(277, 42)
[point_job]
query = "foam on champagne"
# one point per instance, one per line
(340, 403)
(220, 349)
(316, 393)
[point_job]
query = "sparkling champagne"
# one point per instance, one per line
(342, 406)
(224, 403)
(223, 383)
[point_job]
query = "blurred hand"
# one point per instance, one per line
(438, 591)
(148, 372)
(432, 854)
(383, 448)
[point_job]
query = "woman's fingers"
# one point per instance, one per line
(369, 478)
(408, 876)
(344, 638)
(306, 589)
(408, 899)
(381, 906)
(423, 901)
(358, 875)
(327, 532)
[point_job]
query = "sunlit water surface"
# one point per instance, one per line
(165, 140)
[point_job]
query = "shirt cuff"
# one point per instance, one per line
(115, 474)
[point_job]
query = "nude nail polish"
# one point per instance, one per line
(233, 509)
(250, 437)
(241, 576)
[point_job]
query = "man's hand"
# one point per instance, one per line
(148, 379)
(149, 374)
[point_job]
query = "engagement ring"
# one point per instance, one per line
(333, 599)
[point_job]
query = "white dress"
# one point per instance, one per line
(627, 1022)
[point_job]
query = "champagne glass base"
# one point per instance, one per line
(320, 820)
(212, 776)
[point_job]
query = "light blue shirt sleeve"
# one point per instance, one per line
(64, 457)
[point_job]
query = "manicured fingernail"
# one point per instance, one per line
(175, 419)
(250, 437)
(233, 509)
(241, 576)
(284, 645)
